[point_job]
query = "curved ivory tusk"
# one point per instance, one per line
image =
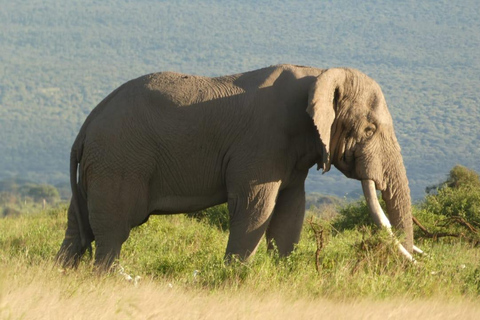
(379, 216)
(418, 250)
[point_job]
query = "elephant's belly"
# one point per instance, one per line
(171, 204)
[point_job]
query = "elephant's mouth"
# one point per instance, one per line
(344, 160)
(379, 185)
(350, 159)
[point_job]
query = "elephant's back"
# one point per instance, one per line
(153, 118)
(180, 90)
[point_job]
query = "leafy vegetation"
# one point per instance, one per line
(19, 195)
(453, 211)
(215, 216)
(59, 60)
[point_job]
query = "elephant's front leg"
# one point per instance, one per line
(250, 214)
(286, 224)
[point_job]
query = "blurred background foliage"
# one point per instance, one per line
(59, 59)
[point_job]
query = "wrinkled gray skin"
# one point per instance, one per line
(170, 143)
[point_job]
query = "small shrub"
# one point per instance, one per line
(458, 177)
(454, 210)
(353, 215)
(377, 252)
(10, 212)
(216, 216)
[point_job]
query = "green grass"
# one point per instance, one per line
(187, 253)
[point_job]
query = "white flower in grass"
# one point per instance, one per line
(128, 277)
(195, 272)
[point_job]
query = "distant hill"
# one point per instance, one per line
(59, 59)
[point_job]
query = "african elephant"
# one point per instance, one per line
(170, 143)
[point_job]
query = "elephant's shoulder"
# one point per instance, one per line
(269, 76)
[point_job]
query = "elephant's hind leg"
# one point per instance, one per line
(249, 216)
(78, 236)
(286, 225)
(108, 246)
(112, 215)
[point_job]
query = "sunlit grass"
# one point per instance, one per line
(178, 264)
(186, 253)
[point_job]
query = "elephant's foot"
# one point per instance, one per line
(70, 254)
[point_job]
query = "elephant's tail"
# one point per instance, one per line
(79, 235)
(79, 209)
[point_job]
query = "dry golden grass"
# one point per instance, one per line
(43, 293)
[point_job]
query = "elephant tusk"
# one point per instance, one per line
(418, 250)
(379, 216)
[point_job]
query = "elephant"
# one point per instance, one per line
(168, 143)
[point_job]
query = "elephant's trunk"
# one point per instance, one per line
(396, 194)
(399, 204)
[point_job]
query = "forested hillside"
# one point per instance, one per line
(58, 59)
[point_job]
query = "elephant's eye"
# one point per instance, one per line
(370, 130)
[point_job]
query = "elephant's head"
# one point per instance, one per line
(357, 137)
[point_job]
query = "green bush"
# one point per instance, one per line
(354, 215)
(216, 216)
(10, 212)
(459, 177)
(14, 191)
(454, 209)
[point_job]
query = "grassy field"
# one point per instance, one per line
(357, 275)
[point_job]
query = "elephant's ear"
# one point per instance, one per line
(322, 101)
